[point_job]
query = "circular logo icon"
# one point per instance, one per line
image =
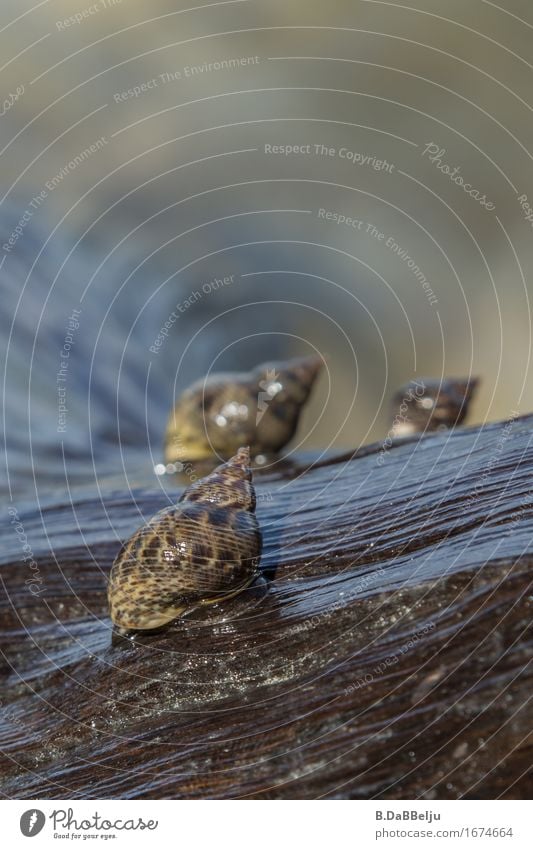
(31, 822)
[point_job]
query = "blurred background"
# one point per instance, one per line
(352, 178)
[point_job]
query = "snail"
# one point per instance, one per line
(430, 405)
(260, 408)
(203, 549)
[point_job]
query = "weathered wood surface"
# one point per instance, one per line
(386, 652)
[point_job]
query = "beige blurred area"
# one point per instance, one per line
(185, 188)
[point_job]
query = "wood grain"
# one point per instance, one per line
(385, 653)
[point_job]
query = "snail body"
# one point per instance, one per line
(201, 550)
(260, 408)
(430, 405)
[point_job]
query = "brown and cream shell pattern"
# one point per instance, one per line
(260, 409)
(205, 548)
(429, 404)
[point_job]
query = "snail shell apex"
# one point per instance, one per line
(203, 549)
(260, 408)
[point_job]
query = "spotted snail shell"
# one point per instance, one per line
(205, 548)
(430, 405)
(260, 408)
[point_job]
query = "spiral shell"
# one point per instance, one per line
(430, 405)
(260, 408)
(203, 549)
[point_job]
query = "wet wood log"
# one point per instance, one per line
(385, 653)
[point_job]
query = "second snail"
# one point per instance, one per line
(260, 408)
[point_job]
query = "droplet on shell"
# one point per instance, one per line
(203, 549)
